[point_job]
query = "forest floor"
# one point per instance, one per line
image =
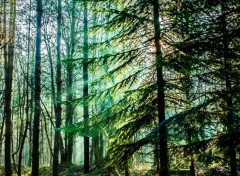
(74, 170)
(47, 171)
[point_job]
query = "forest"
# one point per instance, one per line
(120, 87)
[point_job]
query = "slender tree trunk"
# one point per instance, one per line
(37, 91)
(5, 57)
(21, 149)
(101, 147)
(163, 153)
(69, 107)
(1, 136)
(53, 96)
(85, 84)
(58, 109)
(27, 105)
(96, 149)
(31, 117)
(23, 129)
(2, 42)
(8, 90)
(228, 97)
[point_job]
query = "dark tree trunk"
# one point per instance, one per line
(85, 84)
(31, 116)
(97, 142)
(58, 108)
(163, 153)
(192, 168)
(69, 107)
(101, 147)
(37, 93)
(8, 64)
(228, 97)
(7, 104)
(21, 147)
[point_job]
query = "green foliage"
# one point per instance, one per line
(192, 41)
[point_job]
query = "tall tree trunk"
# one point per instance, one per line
(69, 107)
(8, 88)
(228, 97)
(163, 153)
(22, 146)
(58, 109)
(37, 91)
(31, 116)
(97, 142)
(27, 103)
(2, 42)
(5, 64)
(85, 84)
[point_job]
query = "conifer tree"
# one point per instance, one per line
(8, 64)
(58, 108)
(37, 93)
(85, 83)
(69, 106)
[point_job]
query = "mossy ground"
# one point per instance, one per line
(75, 170)
(64, 170)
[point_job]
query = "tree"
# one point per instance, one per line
(58, 108)
(37, 93)
(85, 83)
(8, 85)
(211, 46)
(125, 59)
(69, 106)
(160, 92)
(143, 84)
(27, 108)
(228, 87)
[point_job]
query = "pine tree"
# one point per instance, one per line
(208, 43)
(8, 64)
(85, 83)
(58, 108)
(124, 60)
(37, 93)
(69, 106)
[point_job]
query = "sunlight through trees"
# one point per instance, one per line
(119, 87)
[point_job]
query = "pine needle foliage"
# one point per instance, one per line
(192, 44)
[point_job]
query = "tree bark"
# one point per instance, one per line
(228, 97)
(8, 86)
(85, 84)
(37, 91)
(163, 153)
(5, 67)
(58, 109)
(69, 107)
